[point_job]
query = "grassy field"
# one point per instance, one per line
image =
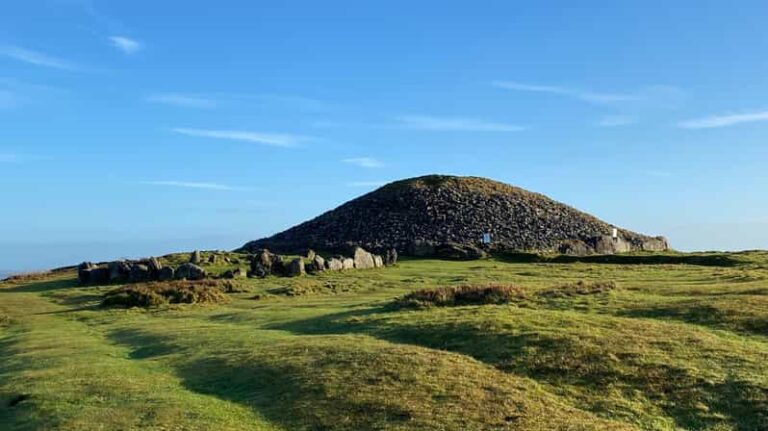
(676, 345)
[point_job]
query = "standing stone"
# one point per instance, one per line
(278, 265)
(139, 272)
(119, 271)
(212, 259)
(334, 264)
(363, 259)
(378, 262)
(318, 263)
(390, 257)
(195, 257)
(84, 272)
(295, 267)
(347, 263)
(99, 275)
(190, 271)
(166, 274)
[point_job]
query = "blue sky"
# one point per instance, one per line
(132, 128)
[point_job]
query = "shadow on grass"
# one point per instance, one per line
(704, 315)
(564, 361)
(287, 384)
(42, 286)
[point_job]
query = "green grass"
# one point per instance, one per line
(673, 344)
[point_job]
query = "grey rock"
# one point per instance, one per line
(84, 272)
(390, 258)
(234, 273)
(334, 264)
(166, 273)
(195, 257)
(295, 268)
(190, 271)
(347, 263)
(139, 272)
(459, 252)
(363, 259)
(119, 271)
(378, 262)
(317, 264)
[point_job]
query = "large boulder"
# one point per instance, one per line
(261, 264)
(347, 263)
(84, 272)
(119, 271)
(573, 248)
(378, 261)
(459, 252)
(278, 265)
(99, 275)
(295, 267)
(190, 271)
(334, 264)
(658, 243)
(363, 259)
(317, 264)
(166, 273)
(606, 244)
(195, 257)
(140, 272)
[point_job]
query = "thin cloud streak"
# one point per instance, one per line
(364, 162)
(724, 120)
(616, 121)
(192, 185)
(455, 124)
(36, 58)
(183, 101)
(127, 45)
(273, 139)
(587, 96)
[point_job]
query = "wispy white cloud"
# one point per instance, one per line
(425, 122)
(364, 162)
(127, 45)
(616, 121)
(182, 100)
(367, 183)
(192, 185)
(274, 139)
(10, 158)
(35, 57)
(724, 120)
(585, 95)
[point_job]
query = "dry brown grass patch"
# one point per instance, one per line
(462, 295)
(578, 288)
(172, 292)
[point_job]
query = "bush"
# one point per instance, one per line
(461, 295)
(578, 288)
(173, 292)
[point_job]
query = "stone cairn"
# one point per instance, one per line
(266, 263)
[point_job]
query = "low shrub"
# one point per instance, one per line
(578, 288)
(173, 292)
(461, 295)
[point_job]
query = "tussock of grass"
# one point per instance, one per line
(461, 295)
(578, 288)
(174, 292)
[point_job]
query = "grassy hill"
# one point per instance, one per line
(668, 346)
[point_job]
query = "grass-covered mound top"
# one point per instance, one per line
(440, 209)
(171, 292)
